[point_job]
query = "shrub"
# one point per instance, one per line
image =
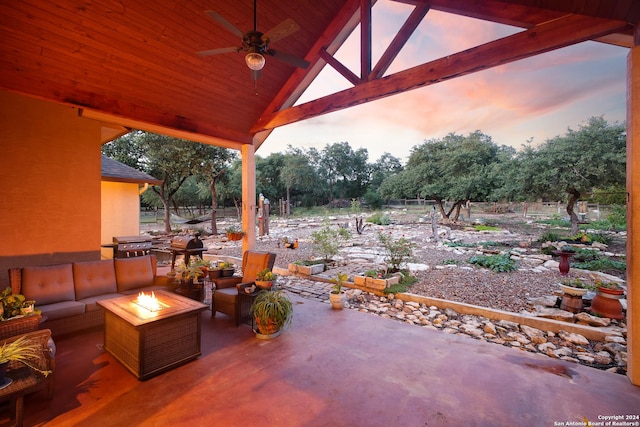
(328, 239)
(379, 218)
(618, 217)
(549, 236)
(398, 251)
(499, 263)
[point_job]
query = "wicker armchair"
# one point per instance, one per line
(19, 326)
(25, 379)
(225, 297)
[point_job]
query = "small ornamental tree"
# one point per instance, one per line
(398, 251)
(328, 239)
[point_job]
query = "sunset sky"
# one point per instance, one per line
(532, 99)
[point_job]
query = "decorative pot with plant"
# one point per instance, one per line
(606, 303)
(573, 290)
(265, 279)
(227, 268)
(575, 287)
(272, 311)
(336, 296)
(215, 271)
(234, 233)
(15, 305)
(565, 252)
(21, 350)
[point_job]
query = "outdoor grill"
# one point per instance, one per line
(187, 246)
(130, 246)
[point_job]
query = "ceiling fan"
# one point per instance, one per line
(256, 44)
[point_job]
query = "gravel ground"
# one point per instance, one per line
(478, 286)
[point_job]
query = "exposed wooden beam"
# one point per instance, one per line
(341, 68)
(151, 127)
(365, 39)
(333, 37)
(399, 41)
(552, 35)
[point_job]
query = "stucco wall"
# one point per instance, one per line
(49, 184)
(120, 212)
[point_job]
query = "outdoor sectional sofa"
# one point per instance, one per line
(67, 294)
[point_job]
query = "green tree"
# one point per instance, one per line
(457, 168)
(574, 164)
(345, 171)
(214, 163)
(173, 161)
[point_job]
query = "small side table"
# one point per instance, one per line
(23, 380)
(245, 301)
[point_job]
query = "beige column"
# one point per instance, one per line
(248, 197)
(633, 211)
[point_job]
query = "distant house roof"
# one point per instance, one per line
(112, 170)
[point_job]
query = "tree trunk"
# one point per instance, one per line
(288, 204)
(167, 216)
(214, 207)
(441, 209)
(574, 195)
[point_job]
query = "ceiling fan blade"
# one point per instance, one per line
(222, 21)
(288, 58)
(282, 30)
(220, 50)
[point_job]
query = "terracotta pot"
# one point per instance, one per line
(264, 284)
(606, 303)
(235, 236)
(337, 300)
(214, 274)
(266, 326)
(228, 272)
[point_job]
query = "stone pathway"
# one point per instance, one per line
(609, 355)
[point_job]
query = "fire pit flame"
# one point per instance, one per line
(150, 302)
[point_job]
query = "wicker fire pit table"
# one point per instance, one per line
(149, 341)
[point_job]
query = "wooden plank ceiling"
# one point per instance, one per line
(134, 63)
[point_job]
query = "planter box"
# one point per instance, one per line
(373, 283)
(309, 270)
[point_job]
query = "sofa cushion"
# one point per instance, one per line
(92, 302)
(93, 278)
(48, 284)
(59, 310)
(133, 273)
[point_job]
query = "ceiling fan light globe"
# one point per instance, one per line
(254, 61)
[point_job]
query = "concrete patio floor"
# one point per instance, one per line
(331, 368)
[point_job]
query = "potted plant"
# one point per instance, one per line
(272, 311)
(575, 287)
(573, 290)
(336, 296)
(606, 303)
(15, 305)
(227, 268)
(21, 350)
(265, 279)
(234, 233)
(215, 271)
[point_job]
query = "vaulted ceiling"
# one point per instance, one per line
(133, 63)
